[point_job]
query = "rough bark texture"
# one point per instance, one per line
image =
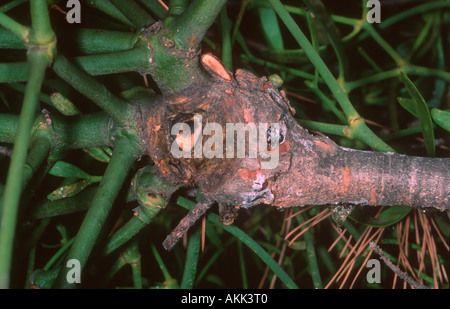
(311, 170)
(188, 221)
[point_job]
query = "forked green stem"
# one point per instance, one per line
(118, 109)
(124, 155)
(333, 85)
(134, 13)
(155, 7)
(38, 63)
(39, 59)
(19, 30)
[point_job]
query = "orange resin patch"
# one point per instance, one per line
(216, 66)
(163, 168)
(248, 116)
(284, 147)
(373, 196)
(181, 99)
(323, 146)
(247, 174)
(346, 178)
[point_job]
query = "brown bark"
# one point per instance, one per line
(188, 221)
(311, 170)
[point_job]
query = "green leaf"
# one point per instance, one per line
(44, 279)
(138, 95)
(191, 262)
(387, 217)
(3, 99)
(107, 150)
(64, 105)
(67, 170)
(72, 189)
(271, 28)
(63, 232)
(298, 245)
(443, 224)
(440, 85)
(98, 154)
(442, 118)
(408, 104)
(322, 15)
(423, 114)
(161, 263)
(213, 237)
(215, 279)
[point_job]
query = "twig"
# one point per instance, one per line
(404, 276)
(194, 214)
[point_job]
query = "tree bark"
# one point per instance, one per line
(310, 170)
(185, 132)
